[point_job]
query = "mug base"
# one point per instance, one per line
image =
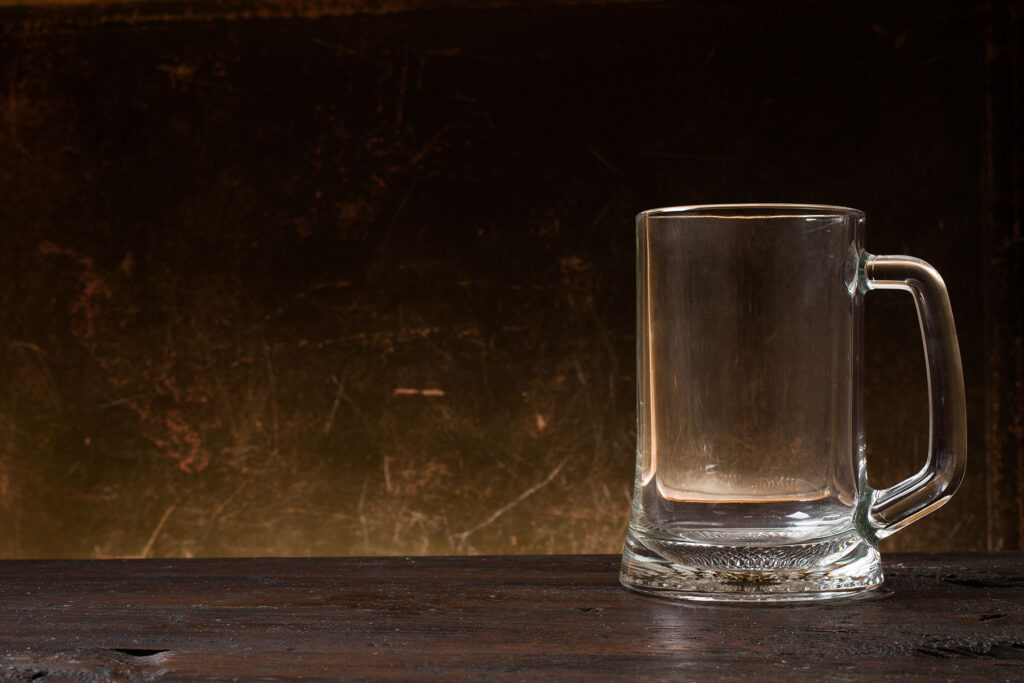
(843, 565)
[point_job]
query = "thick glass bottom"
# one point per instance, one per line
(839, 565)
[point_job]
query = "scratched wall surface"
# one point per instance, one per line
(317, 285)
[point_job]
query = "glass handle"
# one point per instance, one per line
(894, 508)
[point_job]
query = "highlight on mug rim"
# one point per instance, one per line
(755, 210)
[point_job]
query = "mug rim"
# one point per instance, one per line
(669, 211)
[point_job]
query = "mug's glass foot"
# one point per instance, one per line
(839, 566)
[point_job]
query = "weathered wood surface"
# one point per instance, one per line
(78, 13)
(939, 617)
(339, 285)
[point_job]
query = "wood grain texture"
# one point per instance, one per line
(943, 617)
(1004, 277)
(141, 11)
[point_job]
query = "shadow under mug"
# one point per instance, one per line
(751, 479)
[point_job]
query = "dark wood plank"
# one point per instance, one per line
(1004, 277)
(52, 14)
(939, 616)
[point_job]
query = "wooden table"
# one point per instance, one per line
(939, 617)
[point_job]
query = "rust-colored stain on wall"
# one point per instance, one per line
(364, 284)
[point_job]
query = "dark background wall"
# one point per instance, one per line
(358, 278)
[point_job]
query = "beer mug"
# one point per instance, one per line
(751, 480)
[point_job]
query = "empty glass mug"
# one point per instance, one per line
(750, 475)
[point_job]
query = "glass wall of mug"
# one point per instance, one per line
(751, 479)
